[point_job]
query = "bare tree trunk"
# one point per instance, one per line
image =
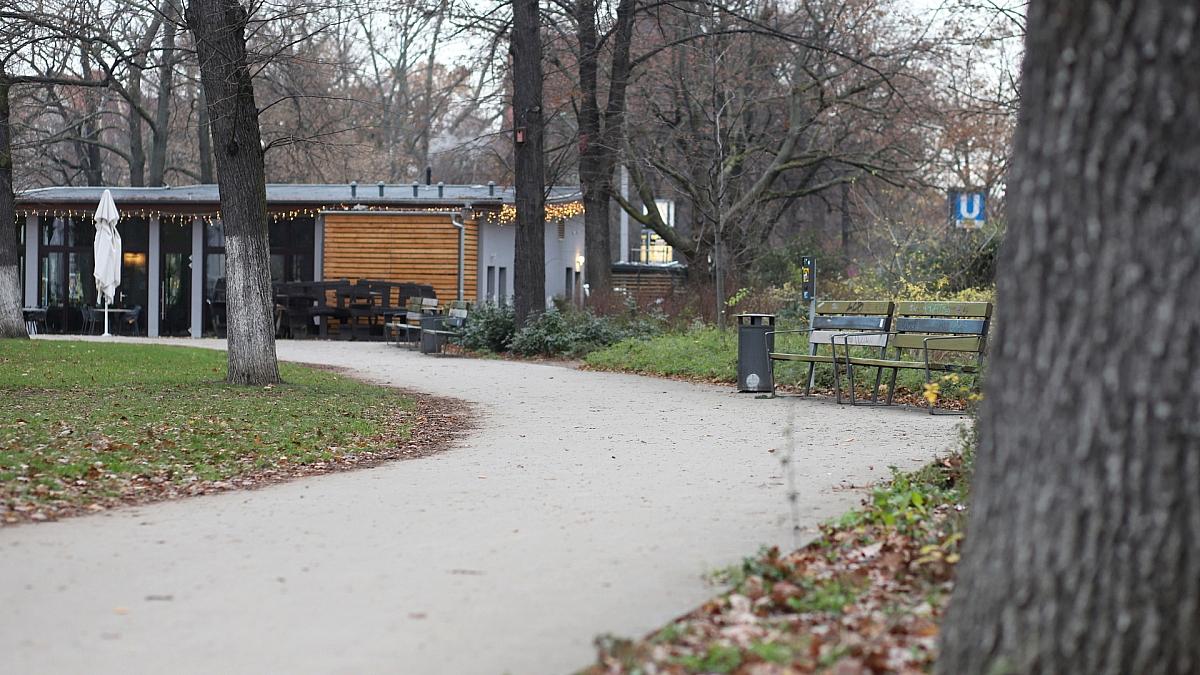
(600, 135)
(205, 140)
(427, 114)
(1083, 552)
(137, 149)
(529, 273)
(595, 168)
(12, 324)
(162, 113)
(89, 130)
(219, 27)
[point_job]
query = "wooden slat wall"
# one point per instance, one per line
(647, 287)
(421, 248)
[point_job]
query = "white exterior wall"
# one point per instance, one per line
(497, 244)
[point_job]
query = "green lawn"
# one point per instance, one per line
(89, 423)
(708, 354)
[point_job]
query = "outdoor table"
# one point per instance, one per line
(119, 311)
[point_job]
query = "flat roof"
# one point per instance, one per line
(280, 194)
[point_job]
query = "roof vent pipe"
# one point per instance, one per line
(380, 188)
(353, 188)
(416, 188)
(491, 188)
(441, 188)
(429, 175)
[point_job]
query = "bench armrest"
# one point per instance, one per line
(797, 330)
(934, 338)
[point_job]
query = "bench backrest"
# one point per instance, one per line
(459, 309)
(963, 325)
(838, 317)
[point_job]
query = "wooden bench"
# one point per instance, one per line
(923, 335)
(456, 320)
(863, 323)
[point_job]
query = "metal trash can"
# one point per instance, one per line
(754, 366)
(431, 343)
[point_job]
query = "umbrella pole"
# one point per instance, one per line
(106, 333)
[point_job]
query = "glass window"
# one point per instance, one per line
(214, 234)
(654, 249)
(302, 267)
(50, 270)
(81, 285)
(54, 232)
(214, 277)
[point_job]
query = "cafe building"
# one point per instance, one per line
(173, 246)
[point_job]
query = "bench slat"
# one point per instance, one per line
(913, 365)
(951, 326)
(917, 341)
(851, 322)
(807, 358)
(981, 310)
(825, 337)
(854, 307)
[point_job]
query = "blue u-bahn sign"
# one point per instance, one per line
(968, 210)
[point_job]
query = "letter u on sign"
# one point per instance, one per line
(970, 209)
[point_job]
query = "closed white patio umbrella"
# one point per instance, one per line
(107, 250)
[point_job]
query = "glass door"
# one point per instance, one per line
(175, 278)
(65, 283)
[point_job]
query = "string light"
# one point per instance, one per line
(564, 211)
(506, 215)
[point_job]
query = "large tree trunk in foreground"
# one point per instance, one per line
(1083, 551)
(12, 324)
(529, 273)
(219, 27)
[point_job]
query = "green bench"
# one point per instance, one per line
(455, 321)
(410, 327)
(863, 323)
(934, 337)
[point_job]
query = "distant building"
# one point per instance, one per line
(174, 244)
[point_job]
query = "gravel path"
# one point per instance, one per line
(585, 503)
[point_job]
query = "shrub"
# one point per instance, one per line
(574, 333)
(570, 333)
(489, 328)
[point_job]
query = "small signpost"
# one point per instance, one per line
(808, 291)
(968, 209)
(808, 278)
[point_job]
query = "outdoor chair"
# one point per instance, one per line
(91, 318)
(131, 323)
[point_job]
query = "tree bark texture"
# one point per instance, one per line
(12, 324)
(529, 273)
(137, 150)
(219, 28)
(162, 112)
(600, 133)
(204, 145)
(1083, 549)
